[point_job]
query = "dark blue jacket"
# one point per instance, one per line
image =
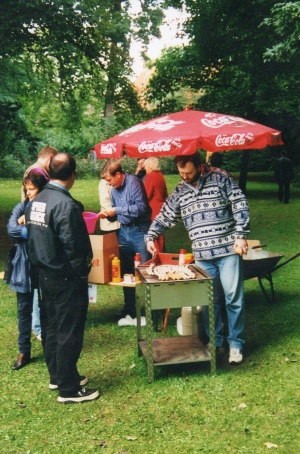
(20, 279)
(58, 240)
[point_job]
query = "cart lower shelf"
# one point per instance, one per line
(171, 350)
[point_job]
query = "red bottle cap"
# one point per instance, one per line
(182, 251)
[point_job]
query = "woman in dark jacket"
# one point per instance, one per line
(20, 280)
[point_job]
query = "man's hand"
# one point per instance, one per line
(151, 247)
(107, 213)
(240, 246)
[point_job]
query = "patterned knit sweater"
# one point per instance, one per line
(214, 214)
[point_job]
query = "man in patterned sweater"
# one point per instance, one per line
(215, 213)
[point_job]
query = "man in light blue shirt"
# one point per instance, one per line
(130, 207)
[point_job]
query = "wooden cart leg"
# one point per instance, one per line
(138, 322)
(149, 336)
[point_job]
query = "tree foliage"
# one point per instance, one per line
(284, 20)
(243, 59)
(64, 56)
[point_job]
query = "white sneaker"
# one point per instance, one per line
(235, 356)
(127, 321)
(84, 395)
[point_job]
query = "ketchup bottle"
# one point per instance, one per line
(181, 260)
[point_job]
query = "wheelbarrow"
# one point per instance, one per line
(261, 264)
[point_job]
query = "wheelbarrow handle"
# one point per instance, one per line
(258, 246)
(287, 261)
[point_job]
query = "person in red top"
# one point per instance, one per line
(156, 190)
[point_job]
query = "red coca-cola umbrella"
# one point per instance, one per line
(183, 133)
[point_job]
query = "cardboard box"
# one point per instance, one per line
(105, 248)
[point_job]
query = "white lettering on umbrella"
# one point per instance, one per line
(224, 120)
(163, 124)
(234, 140)
(108, 148)
(159, 146)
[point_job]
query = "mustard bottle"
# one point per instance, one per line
(115, 270)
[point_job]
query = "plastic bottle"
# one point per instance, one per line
(115, 270)
(188, 257)
(181, 260)
(187, 324)
(137, 262)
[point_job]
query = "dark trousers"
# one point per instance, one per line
(24, 301)
(64, 307)
(131, 240)
(284, 191)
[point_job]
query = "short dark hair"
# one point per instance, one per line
(111, 167)
(38, 178)
(62, 166)
(193, 158)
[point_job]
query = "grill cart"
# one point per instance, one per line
(163, 294)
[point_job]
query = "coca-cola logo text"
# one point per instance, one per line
(159, 146)
(223, 140)
(217, 121)
(108, 148)
(162, 124)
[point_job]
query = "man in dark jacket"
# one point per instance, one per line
(59, 246)
(284, 174)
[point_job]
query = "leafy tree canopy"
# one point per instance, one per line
(66, 52)
(243, 58)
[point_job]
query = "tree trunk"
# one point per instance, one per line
(244, 170)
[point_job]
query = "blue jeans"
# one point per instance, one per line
(227, 271)
(36, 323)
(131, 240)
(24, 301)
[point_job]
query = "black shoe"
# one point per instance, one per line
(84, 395)
(83, 381)
(23, 360)
(128, 311)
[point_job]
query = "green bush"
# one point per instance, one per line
(88, 168)
(10, 167)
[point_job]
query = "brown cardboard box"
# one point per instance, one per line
(105, 247)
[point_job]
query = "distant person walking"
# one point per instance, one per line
(284, 174)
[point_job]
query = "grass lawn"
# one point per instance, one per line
(246, 409)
